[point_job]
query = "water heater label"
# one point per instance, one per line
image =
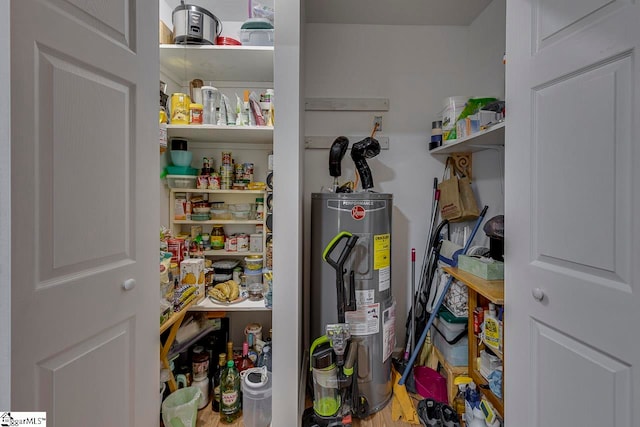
(381, 251)
(365, 320)
(363, 297)
(384, 279)
(388, 331)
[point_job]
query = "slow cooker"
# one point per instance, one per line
(194, 25)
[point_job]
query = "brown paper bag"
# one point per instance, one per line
(457, 201)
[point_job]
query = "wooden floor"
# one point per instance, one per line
(208, 418)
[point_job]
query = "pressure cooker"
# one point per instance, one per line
(194, 25)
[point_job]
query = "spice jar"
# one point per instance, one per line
(217, 237)
(259, 208)
(199, 363)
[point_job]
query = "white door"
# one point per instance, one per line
(572, 297)
(84, 159)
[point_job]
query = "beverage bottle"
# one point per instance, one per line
(230, 401)
(229, 350)
(215, 402)
(245, 363)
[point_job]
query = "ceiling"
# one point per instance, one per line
(394, 12)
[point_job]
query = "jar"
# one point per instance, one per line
(180, 108)
(217, 237)
(199, 363)
(259, 208)
(195, 114)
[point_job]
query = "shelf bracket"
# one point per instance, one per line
(463, 165)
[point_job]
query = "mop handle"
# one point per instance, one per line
(416, 350)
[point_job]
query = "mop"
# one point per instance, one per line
(440, 299)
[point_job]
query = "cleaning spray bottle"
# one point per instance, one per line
(458, 402)
(473, 414)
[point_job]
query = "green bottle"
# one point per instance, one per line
(230, 403)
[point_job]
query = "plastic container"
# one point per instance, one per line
(488, 363)
(256, 37)
(241, 215)
(449, 330)
(253, 262)
(430, 384)
(181, 181)
(220, 214)
(181, 407)
(256, 398)
(181, 158)
(452, 107)
(456, 354)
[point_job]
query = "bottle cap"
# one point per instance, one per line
(230, 363)
(245, 348)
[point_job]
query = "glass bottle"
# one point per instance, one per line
(246, 362)
(230, 408)
(215, 402)
(230, 351)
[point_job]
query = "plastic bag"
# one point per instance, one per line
(180, 408)
(259, 10)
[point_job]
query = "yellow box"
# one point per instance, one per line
(192, 273)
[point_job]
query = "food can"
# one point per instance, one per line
(226, 157)
(226, 171)
(255, 242)
(176, 247)
(231, 244)
(214, 181)
(242, 242)
(195, 114)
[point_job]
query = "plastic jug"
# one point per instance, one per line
(256, 397)
(180, 408)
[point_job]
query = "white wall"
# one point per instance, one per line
(416, 67)
(5, 212)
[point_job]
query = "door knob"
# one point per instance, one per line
(129, 284)
(537, 293)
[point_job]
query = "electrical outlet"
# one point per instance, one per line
(377, 120)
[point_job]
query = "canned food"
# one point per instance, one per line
(242, 242)
(231, 244)
(226, 157)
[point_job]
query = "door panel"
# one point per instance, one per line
(84, 183)
(571, 238)
(553, 348)
(572, 178)
(62, 376)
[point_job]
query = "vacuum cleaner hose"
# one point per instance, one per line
(368, 148)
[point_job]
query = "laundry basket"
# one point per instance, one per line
(180, 408)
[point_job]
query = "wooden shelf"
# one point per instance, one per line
(217, 63)
(175, 317)
(498, 404)
(215, 133)
(493, 290)
(476, 142)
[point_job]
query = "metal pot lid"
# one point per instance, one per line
(194, 8)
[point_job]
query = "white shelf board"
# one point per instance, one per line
(215, 133)
(246, 305)
(218, 221)
(222, 252)
(195, 190)
(217, 63)
(476, 142)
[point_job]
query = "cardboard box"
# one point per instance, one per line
(192, 273)
(485, 268)
(166, 35)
